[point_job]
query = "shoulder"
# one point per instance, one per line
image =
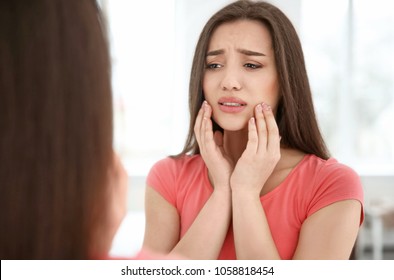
(170, 170)
(322, 169)
(317, 177)
(332, 181)
(331, 171)
(176, 165)
(322, 178)
(171, 176)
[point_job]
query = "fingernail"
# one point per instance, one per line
(252, 120)
(265, 106)
(205, 105)
(259, 108)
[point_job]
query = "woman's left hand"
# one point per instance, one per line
(261, 155)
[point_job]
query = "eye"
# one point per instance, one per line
(213, 66)
(252, 66)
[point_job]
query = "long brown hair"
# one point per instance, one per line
(295, 115)
(56, 128)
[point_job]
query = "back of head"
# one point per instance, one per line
(295, 117)
(56, 128)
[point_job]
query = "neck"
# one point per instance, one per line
(235, 143)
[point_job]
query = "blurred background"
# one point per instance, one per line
(349, 52)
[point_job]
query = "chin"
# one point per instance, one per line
(232, 125)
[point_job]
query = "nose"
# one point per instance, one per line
(231, 80)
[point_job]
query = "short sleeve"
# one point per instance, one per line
(335, 182)
(162, 178)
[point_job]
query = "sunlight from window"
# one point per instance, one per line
(142, 49)
(349, 50)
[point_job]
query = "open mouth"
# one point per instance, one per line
(231, 104)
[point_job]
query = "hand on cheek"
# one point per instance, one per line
(262, 152)
(211, 148)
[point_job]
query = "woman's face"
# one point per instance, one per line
(240, 72)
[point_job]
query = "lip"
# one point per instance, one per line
(231, 104)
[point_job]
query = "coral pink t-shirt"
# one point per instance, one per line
(313, 184)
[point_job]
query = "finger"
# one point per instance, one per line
(207, 133)
(273, 139)
(253, 139)
(198, 124)
(261, 128)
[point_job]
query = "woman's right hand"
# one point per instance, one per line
(219, 164)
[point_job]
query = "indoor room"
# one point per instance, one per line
(349, 52)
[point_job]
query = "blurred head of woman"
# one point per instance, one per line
(62, 188)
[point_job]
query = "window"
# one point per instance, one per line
(349, 51)
(142, 49)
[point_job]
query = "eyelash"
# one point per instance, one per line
(252, 66)
(214, 66)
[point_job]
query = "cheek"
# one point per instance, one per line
(269, 92)
(207, 89)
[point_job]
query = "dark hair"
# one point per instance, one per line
(295, 115)
(56, 128)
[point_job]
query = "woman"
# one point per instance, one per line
(63, 191)
(254, 180)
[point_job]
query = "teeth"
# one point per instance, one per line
(232, 104)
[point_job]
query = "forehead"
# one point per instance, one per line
(244, 34)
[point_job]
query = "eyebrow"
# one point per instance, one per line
(242, 51)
